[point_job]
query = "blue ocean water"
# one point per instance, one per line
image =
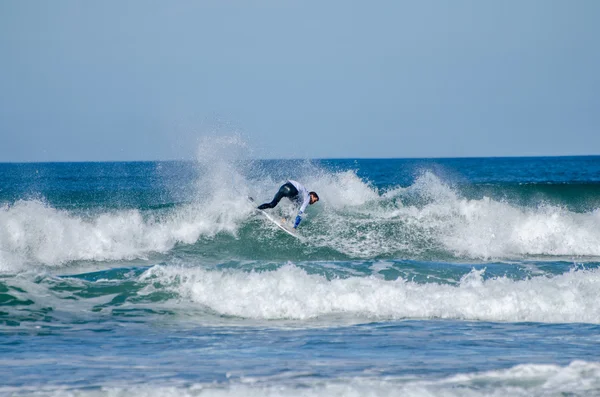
(420, 277)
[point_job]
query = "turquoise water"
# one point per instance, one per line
(417, 277)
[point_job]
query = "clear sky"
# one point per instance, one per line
(146, 80)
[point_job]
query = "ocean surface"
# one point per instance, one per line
(416, 277)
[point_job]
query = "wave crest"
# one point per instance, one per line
(291, 293)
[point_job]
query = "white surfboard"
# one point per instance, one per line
(289, 231)
(283, 227)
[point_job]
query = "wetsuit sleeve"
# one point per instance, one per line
(305, 201)
(297, 221)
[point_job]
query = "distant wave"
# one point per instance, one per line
(578, 379)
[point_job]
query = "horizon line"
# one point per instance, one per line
(310, 159)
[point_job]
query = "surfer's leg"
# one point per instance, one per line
(287, 190)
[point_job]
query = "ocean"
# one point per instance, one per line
(415, 277)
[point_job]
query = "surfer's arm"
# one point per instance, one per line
(298, 220)
(305, 202)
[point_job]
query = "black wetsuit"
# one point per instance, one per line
(287, 190)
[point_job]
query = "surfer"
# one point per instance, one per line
(297, 193)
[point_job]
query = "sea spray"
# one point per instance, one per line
(427, 219)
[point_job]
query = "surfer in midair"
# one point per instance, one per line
(297, 193)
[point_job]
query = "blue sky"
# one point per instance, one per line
(147, 80)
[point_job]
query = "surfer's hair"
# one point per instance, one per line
(314, 194)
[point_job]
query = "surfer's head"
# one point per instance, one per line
(313, 197)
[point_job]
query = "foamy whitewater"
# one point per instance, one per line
(456, 277)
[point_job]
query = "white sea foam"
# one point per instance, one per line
(33, 232)
(527, 380)
(341, 189)
(290, 293)
(439, 218)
